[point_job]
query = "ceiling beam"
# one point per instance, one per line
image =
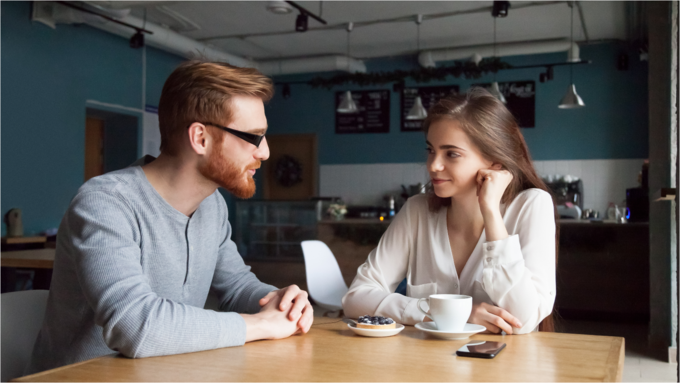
(400, 19)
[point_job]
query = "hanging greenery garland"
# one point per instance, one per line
(422, 75)
(288, 171)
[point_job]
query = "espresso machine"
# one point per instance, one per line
(568, 193)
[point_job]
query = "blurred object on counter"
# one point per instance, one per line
(322, 204)
(569, 210)
(391, 205)
(568, 193)
(367, 212)
(590, 214)
(15, 228)
(337, 210)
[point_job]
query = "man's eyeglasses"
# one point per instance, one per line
(247, 137)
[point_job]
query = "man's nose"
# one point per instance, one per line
(262, 151)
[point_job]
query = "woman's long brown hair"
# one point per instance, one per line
(494, 130)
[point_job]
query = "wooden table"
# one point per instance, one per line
(331, 352)
(37, 259)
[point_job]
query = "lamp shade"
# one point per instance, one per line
(496, 92)
(417, 111)
(571, 100)
(347, 105)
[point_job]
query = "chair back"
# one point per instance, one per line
(22, 316)
(324, 279)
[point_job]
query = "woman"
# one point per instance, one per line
(486, 228)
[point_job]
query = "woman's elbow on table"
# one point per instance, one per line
(351, 305)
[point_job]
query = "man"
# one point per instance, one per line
(140, 248)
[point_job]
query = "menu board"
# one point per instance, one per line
(373, 115)
(521, 100)
(429, 95)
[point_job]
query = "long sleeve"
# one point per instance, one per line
(236, 287)
(372, 291)
(519, 271)
(135, 320)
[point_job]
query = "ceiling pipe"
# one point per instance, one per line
(167, 40)
(429, 58)
(314, 64)
(170, 41)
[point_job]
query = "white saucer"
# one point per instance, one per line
(468, 330)
(376, 333)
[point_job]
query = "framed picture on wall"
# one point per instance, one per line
(373, 115)
(429, 96)
(521, 100)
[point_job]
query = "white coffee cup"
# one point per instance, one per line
(449, 312)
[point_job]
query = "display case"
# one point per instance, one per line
(273, 230)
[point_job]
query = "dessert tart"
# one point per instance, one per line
(376, 322)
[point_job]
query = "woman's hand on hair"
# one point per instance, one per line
(491, 185)
(494, 318)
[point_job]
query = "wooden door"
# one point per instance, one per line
(94, 147)
(291, 172)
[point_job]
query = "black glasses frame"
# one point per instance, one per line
(247, 137)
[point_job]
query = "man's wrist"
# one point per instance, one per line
(254, 328)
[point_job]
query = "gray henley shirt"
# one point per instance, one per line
(132, 274)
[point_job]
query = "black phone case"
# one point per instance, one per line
(480, 355)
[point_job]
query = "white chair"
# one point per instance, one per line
(22, 317)
(324, 279)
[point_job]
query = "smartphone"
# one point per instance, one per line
(481, 349)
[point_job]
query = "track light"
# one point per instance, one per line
(548, 75)
(500, 8)
(301, 22)
(137, 40)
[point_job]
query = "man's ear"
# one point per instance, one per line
(198, 138)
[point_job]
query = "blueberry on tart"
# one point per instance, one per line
(375, 322)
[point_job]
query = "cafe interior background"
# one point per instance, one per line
(79, 98)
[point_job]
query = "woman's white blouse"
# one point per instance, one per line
(516, 273)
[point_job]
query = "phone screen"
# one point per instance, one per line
(481, 349)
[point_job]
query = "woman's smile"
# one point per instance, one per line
(438, 181)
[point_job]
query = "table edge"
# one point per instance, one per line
(615, 360)
(31, 377)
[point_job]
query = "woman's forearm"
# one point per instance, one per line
(494, 225)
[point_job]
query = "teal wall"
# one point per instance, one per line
(612, 125)
(47, 76)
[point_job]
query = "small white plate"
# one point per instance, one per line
(468, 330)
(376, 333)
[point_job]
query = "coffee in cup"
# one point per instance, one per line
(449, 312)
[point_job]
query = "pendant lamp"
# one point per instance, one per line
(417, 111)
(495, 90)
(347, 105)
(571, 99)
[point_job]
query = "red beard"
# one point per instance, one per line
(224, 172)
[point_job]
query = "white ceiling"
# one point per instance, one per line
(209, 22)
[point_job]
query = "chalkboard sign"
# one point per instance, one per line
(521, 100)
(373, 115)
(429, 95)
